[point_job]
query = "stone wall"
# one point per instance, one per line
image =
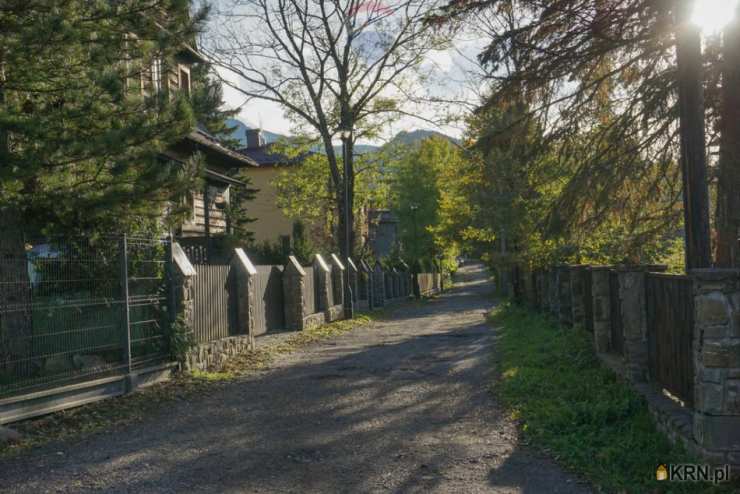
(717, 364)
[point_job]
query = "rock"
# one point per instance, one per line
(9, 436)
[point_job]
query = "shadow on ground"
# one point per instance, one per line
(402, 405)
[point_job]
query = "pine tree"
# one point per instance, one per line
(80, 147)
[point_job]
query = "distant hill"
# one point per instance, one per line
(418, 135)
(402, 138)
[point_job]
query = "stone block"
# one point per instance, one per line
(722, 354)
(709, 398)
(717, 432)
(712, 309)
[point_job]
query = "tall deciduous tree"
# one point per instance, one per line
(334, 66)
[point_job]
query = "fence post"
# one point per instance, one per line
(321, 280)
(378, 286)
(353, 276)
(183, 273)
(634, 321)
(367, 280)
(716, 345)
(293, 284)
(563, 295)
(245, 289)
(338, 291)
(577, 294)
(123, 254)
(601, 301)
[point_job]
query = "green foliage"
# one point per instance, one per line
(181, 340)
(577, 410)
(83, 150)
(303, 249)
(425, 195)
(305, 193)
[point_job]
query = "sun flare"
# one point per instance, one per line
(713, 15)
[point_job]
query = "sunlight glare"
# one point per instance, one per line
(712, 15)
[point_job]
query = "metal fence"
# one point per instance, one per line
(670, 323)
(73, 309)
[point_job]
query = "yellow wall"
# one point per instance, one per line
(271, 222)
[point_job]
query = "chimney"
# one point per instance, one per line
(254, 138)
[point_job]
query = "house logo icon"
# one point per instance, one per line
(661, 473)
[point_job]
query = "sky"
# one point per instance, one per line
(455, 76)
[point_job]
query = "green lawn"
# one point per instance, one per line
(576, 410)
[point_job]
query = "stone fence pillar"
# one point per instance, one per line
(577, 294)
(600, 299)
(564, 296)
(378, 286)
(405, 279)
(337, 279)
(354, 285)
(322, 275)
(245, 293)
(293, 303)
(367, 281)
(634, 321)
(716, 349)
(182, 288)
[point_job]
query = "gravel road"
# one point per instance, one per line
(400, 405)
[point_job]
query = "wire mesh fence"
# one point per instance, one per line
(80, 308)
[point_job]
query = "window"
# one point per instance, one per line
(185, 80)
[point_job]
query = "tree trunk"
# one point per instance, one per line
(728, 185)
(693, 150)
(16, 328)
(342, 223)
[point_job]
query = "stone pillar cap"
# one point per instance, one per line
(337, 262)
(241, 258)
(351, 265)
(295, 265)
(317, 259)
(715, 274)
(181, 261)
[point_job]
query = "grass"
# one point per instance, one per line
(107, 414)
(579, 412)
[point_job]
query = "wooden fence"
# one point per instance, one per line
(615, 308)
(214, 312)
(309, 291)
(670, 323)
(268, 311)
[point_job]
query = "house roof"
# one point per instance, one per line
(263, 156)
(220, 177)
(210, 145)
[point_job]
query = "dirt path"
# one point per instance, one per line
(397, 406)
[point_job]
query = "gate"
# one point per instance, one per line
(269, 314)
(615, 308)
(670, 322)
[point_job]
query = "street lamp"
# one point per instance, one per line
(346, 135)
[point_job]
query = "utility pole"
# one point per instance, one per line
(693, 148)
